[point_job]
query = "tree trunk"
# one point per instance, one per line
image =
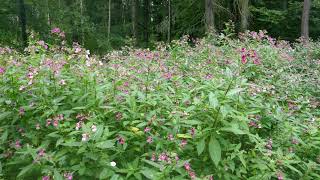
(48, 13)
(209, 15)
(244, 13)
(82, 30)
(109, 20)
(169, 21)
(134, 18)
(305, 19)
(146, 21)
(23, 23)
(285, 5)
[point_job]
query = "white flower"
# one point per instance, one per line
(85, 137)
(113, 164)
(94, 128)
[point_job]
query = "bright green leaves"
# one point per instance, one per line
(214, 150)
(201, 146)
(213, 100)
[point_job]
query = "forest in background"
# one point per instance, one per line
(102, 25)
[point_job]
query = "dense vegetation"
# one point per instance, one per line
(216, 108)
(102, 25)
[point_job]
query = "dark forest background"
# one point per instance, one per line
(102, 25)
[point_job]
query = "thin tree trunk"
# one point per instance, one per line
(209, 15)
(48, 13)
(244, 12)
(82, 30)
(169, 21)
(109, 20)
(146, 21)
(285, 5)
(134, 18)
(23, 23)
(305, 19)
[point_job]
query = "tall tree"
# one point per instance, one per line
(169, 21)
(146, 4)
(23, 22)
(109, 20)
(244, 13)
(209, 15)
(134, 18)
(305, 19)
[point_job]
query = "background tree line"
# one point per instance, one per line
(101, 25)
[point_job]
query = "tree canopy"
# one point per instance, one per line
(104, 25)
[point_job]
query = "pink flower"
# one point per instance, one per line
(294, 141)
(78, 125)
(46, 178)
(126, 84)
(167, 75)
(149, 139)
(269, 144)
(256, 61)
(280, 176)
(77, 50)
(193, 131)
(118, 116)
(243, 59)
(43, 44)
(163, 157)
(2, 70)
(55, 123)
(170, 137)
(48, 122)
(147, 129)
(177, 158)
(153, 157)
(121, 140)
(192, 175)
(187, 166)
(21, 111)
(183, 143)
(55, 30)
(62, 35)
(68, 176)
(17, 144)
(209, 76)
(41, 153)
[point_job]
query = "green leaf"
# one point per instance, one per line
(200, 146)
(57, 175)
(104, 173)
(25, 170)
(148, 173)
(233, 130)
(213, 100)
(234, 91)
(72, 144)
(4, 115)
(105, 144)
(98, 133)
(215, 150)
(152, 163)
(115, 177)
(242, 160)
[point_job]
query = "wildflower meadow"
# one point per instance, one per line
(217, 108)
